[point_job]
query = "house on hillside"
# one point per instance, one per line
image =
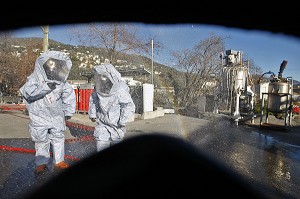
(130, 74)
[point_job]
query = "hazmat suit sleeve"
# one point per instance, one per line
(127, 106)
(69, 100)
(92, 105)
(33, 91)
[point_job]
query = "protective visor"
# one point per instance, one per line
(103, 84)
(56, 69)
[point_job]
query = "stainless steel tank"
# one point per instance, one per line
(278, 96)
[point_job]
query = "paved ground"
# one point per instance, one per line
(14, 124)
(276, 128)
(14, 137)
(17, 148)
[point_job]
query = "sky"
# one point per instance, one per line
(266, 49)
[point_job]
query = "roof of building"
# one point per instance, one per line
(134, 72)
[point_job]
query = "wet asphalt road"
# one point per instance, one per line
(17, 166)
(269, 159)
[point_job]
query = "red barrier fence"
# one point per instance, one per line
(83, 93)
(8, 107)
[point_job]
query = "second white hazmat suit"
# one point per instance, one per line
(110, 106)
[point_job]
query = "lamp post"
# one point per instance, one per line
(45, 30)
(152, 61)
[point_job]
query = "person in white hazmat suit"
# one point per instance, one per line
(50, 101)
(110, 105)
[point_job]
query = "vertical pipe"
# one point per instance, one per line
(152, 62)
(46, 36)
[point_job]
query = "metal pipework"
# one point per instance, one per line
(282, 67)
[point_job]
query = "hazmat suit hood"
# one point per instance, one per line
(107, 79)
(52, 66)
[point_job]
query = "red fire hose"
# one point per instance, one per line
(24, 150)
(69, 124)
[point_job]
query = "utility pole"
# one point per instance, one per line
(152, 62)
(45, 30)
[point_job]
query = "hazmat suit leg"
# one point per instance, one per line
(115, 142)
(58, 146)
(105, 144)
(101, 145)
(105, 138)
(42, 152)
(117, 135)
(102, 137)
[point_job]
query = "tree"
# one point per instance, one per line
(197, 67)
(116, 39)
(27, 62)
(255, 71)
(16, 63)
(7, 62)
(253, 68)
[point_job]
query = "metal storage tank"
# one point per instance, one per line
(279, 95)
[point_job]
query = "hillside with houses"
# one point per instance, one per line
(134, 68)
